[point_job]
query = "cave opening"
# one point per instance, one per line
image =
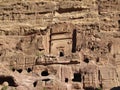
(77, 77)
(61, 54)
(20, 70)
(86, 60)
(8, 79)
(35, 84)
(66, 80)
(44, 73)
(29, 70)
(74, 39)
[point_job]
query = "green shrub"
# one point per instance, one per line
(4, 88)
(99, 88)
(39, 53)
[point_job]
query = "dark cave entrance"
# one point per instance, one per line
(8, 79)
(44, 73)
(74, 39)
(35, 84)
(29, 70)
(77, 77)
(86, 60)
(66, 80)
(20, 70)
(61, 54)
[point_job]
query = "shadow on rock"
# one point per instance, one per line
(115, 88)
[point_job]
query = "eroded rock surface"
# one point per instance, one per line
(60, 44)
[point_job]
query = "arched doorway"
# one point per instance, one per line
(61, 54)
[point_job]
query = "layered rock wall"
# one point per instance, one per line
(70, 45)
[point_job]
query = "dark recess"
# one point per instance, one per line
(77, 77)
(74, 39)
(29, 70)
(72, 9)
(13, 69)
(99, 75)
(8, 79)
(97, 59)
(46, 79)
(86, 60)
(66, 80)
(115, 88)
(35, 84)
(44, 73)
(89, 88)
(61, 54)
(20, 70)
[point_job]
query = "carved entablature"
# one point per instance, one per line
(62, 28)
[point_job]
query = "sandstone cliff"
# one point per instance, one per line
(60, 44)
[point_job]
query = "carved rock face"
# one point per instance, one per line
(60, 45)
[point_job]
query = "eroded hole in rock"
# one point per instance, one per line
(61, 54)
(20, 70)
(77, 77)
(8, 79)
(66, 80)
(29, 70)
(35, 84)
(86, 60)
(44, 73)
